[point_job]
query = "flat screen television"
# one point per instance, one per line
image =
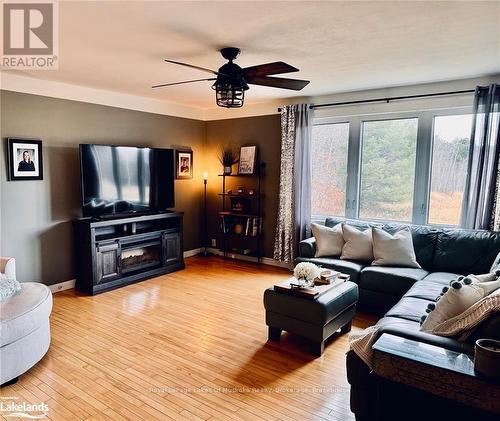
(123, 179)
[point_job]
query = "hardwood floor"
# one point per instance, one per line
(188, 345)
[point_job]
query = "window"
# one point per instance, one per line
(388, 169)
(450, 153)
(406, 167)
(329, 168)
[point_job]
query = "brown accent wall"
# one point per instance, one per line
(262, 131)
(36, 215)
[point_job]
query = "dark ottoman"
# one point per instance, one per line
(314, 319)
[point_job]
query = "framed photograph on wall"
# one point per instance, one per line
(183, 164)
(25, 159)
(248, 159)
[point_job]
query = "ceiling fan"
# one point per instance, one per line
(232, 81)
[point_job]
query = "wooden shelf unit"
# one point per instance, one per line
(244, 240)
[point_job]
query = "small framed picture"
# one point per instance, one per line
(184, 164)
(25, 159)
(248, 159)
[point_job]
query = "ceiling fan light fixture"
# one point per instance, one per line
(232, 81)
(229, 95)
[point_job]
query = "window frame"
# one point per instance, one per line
(326, 121)
(440, 113)
(423, 159)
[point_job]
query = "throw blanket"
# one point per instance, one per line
(361, 343)
(460, 327)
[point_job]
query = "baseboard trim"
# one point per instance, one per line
(62, 286)
(193, 252)
(263, 260)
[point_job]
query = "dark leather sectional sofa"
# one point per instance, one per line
(401, 295)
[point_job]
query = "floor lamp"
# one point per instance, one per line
(204, 252)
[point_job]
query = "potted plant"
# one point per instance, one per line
(228, 157)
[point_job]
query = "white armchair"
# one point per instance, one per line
(24, 326)
(8, 266)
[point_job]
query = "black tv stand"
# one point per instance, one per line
(117, 251)
(107, 217)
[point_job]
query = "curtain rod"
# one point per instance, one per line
(387, 99)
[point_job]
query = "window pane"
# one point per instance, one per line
(388, 169)
(450, 153)
(329, 168)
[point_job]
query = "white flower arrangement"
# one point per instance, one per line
(307, 271)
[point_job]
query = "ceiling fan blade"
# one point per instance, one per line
(180, 83)
(279, 82)
(275, 68)
(194, 67)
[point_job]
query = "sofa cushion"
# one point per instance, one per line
(406, 324)
(442, 278)
(466, 251)
(409, 308)
(390, 280)
(345, 266)
(356, 223)
(425, 290)
(24, 312)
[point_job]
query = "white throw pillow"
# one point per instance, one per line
(462, 294)
(393, 250)
(329, 241)
(358, 244)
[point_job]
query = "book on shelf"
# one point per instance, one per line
(250, 225)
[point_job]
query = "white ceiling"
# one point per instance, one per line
(340, 46)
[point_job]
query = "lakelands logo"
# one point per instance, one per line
(30, 35)
(32, 411)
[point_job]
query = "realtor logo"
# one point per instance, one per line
(29, 35)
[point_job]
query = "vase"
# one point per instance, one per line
(227, 170)
(304, 283)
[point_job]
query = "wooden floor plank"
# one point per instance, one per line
(191, 345)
